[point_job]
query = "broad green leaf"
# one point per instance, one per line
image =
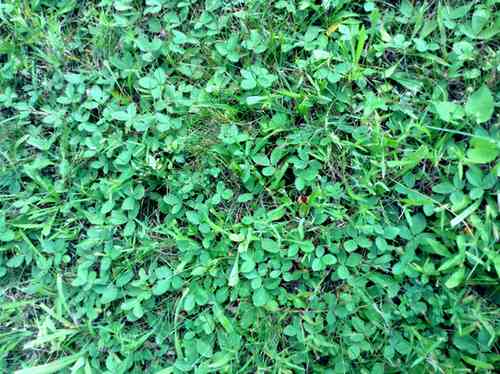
(448, 111)
(350, 245)
(247, 266)
(189, 303)
(316, 264)
(300, 183)
(479, 20)
(436, 247)
(329, 259)
(124, 158)
(482, 151)
(261, 159)
(203, 348)
(270, 245)
(480, 105)
(118, 217)
(7, 235)
(107, 206)
(163, 272)
(110, 294)
(307, 246)
(260, 297)
(456, 278)
(249, 81)
(162, 286)
(15, 261)
(417, 223)
(342, 272)
(148, 83)
(444, 188)
(128, 203)
(452, 262)
(465, 343)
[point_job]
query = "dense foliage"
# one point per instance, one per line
(232, 186)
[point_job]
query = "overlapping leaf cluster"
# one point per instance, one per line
(242, 186)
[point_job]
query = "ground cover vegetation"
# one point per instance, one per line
(290, 186)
